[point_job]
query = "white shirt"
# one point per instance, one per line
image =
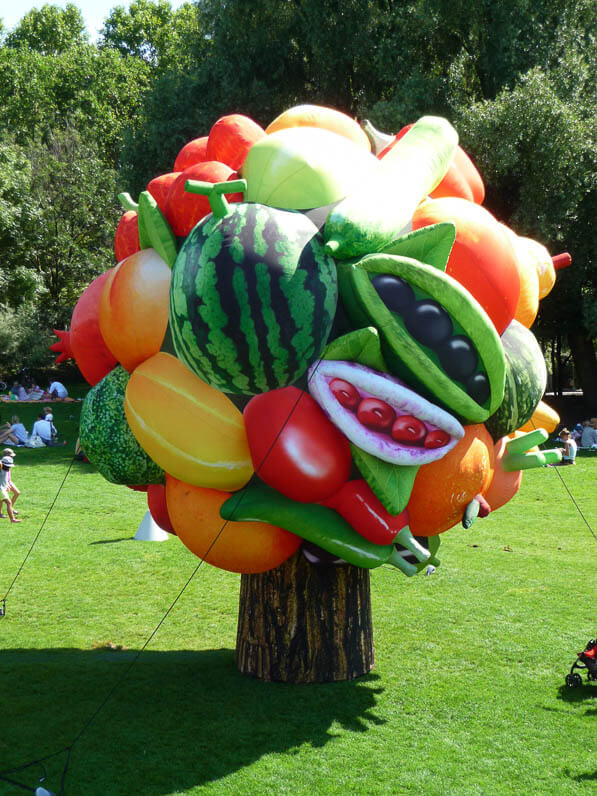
(58, 388)
(20, 432)
(572, 455)
(44, 429)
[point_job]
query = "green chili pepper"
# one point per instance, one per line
(322, 526)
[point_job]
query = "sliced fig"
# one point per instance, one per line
(432, 431)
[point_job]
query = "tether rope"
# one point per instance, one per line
(124, 675)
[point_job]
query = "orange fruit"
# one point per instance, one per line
(443, 489)
(320, 116)
(133, 308)
(245, 547)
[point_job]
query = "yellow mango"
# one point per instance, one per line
(191, 430)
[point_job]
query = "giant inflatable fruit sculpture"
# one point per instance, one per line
(309, 351)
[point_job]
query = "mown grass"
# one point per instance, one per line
(467, 695)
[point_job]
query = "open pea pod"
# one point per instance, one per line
(434, 334)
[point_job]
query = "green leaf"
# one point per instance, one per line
(431, 245)
(360, 346)
(391, 483)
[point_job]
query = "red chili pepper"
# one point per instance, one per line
(356, 503)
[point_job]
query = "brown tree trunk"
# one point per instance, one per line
(301, 623)
(583, 353)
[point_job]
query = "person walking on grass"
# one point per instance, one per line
(6, 464)
(13, 489)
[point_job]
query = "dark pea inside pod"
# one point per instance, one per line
(478, 388)
(458, 357)
(395, 292)
(428, 322)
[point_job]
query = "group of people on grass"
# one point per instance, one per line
(583, 435)
(9, 491)
(43, 428)
(56, 392)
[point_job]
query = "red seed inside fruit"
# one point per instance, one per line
(409, 429)
(345, 394)
(376, 414)
(436, 439)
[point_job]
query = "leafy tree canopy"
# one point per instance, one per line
(49, 30)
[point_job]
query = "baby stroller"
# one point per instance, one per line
(587, 659)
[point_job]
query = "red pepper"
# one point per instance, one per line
(356, 503)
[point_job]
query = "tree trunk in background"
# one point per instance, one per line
(583, 353)
(301, 623)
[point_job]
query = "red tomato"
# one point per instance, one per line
(294, 447)
(160, 186)
(126, 238)
(183, 209)
(156, 503)
(193, 152)
(230, 139)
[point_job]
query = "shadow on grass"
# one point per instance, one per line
(114, 541)
(179, 719)
(579, 694)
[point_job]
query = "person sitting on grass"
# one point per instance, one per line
(44, 429)
(7, 434)
(18, 430)
(13, 489)
(588, 437)
(570, 447)
(6, 463)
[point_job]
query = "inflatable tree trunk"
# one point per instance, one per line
(300, 623)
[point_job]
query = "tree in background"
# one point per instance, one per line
(49, 30)
(57, 217)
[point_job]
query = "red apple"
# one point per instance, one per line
(84, 342)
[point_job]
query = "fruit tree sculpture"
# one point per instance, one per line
(315, 353)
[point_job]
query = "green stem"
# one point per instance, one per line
(406, 539)
(127, 202)
(397, 561)
(215, 193)
(527, 441)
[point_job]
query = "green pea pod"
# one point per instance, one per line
(317, 524)
(158, 230)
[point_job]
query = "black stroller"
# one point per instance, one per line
(587, 659)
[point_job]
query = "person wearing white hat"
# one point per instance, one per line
(6, 463)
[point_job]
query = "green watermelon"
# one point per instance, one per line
(252, 298)
(526, 378)
(107, 439)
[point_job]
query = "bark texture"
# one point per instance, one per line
(305, 624)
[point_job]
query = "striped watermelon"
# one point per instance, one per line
(526, 379)
(252, 298)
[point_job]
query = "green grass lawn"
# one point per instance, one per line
(467, 695)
